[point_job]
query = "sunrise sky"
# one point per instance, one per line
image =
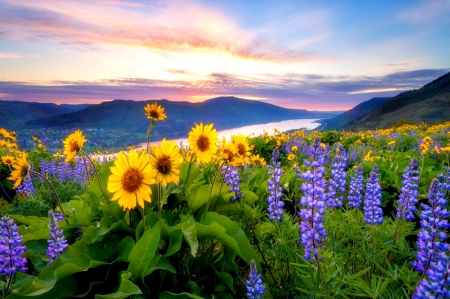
(315, 55)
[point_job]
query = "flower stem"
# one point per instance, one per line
(212, 186)
(150, 127)
(54, 192)
(96, 173)
(88, 176)
(159, 206)
(143, 219)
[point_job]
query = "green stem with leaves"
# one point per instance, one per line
(96, 174)
(212, 186)
(150, 127)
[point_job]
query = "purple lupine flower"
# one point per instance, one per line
(26, 187)
(58, 216)
(313, 200)
(444, 179)
(275, 208)
(58, 242)
(11, 251)
(432, 255)
(231, 176)
(52, 168)
(409, 195)
(43, 169)
(431, 238)
(254, 284)
(373, 214)
(356, 186)
(337, 182)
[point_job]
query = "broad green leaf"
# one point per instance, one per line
(159, 262)
(184, 295)
(126, 289)
(143, 252)
(189, 230)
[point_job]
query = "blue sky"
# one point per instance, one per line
(315, 55)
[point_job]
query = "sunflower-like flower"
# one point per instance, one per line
(229, 153)
(166, 159)
(155, 112)
(73, 144)
(242, 147)
(8, 160)
(203, 141)
(21, 168)
(256, 160)
(130, 178)
(9, 135)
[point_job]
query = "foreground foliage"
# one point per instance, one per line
(300, 215)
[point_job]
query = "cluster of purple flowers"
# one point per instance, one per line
(444, 179)
(409, 195)
(58, 242)
(356, 186)
(26, 187)
(274, 199)
(337, 182)
(254, 284)
(313, 200)
(373, 214)
(432, 258)
(64, 171)
(231, 176)
(11, 251)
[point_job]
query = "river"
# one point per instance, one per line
(282, 126)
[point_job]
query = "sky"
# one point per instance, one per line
(314, 55)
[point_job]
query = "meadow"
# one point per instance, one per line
(305, 214)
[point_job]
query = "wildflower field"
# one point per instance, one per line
(290, 215)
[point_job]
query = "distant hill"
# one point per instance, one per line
(429, 104)
(349, 117)
(129, 116)
(14, 114)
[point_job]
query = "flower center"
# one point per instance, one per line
(24, 171)
(74, 147)
(132, 179)
(8, 161)
(228, 155)
(154, 114)
(203, 143)
(163, 165)
(241, 149)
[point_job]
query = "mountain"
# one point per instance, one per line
(427, 104)
(14, 114)
(128, 116)
(349, 117)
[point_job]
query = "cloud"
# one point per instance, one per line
(173, 27)
(9, 55)
(426, 11)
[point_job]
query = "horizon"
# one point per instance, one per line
(316, 56)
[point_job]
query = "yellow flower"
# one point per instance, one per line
(294, 148)
(291, 157)
(424, 148)
(21, 168)
(229, 154)
(437, 150)
(445, 149)
(391, 142)
(368, 157)
(7, 160)
(203, 141)
(36, 139)
(7, 134)
(323, 145)
(155, 112)
(166, 159)
(130, 179)
(242, 147)
(428, 140)
(255, 160)
(73, 144)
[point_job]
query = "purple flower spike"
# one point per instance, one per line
(254, 284)
(11, 251)
(26, 187)
(356, 187)
(432, 256)
(338, 182)
(313, 200)
(373, 213)
(231, 176)
(409, 195)
(57, 243)
(275, 203)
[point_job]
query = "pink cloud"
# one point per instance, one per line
(173, 27)
(9, 55)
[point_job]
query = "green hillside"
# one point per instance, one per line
(14, 114)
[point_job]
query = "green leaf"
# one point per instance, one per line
(184, 295)
(109, 224)
(143, 252)
(215, 226)
(160, 262)
(190, 234)
(126, 289)
(226, 279)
